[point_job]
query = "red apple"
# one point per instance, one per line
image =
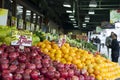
(39, 66)
(70, 72)
(51, 68)
(22, 58)
(7, 76)
(44, 70)
(12, 68)
(28, 71)
(57, 74)
(61, 78)
(50, 74)
(4, 66)
(81, 77)
(26, 76)
(64, 74)
(17, 77)
(34, 74)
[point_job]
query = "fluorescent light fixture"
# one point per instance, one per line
(93, 3)
(28, 11)
(91, 12)
(34, 14)
(66, 5)
(28, 14)
(76, 26)
(20, 11)
(68, 11)
(74, 11)
(38, 16)
(71, 16)
(72, 19)
(84, 24)
(86, 20)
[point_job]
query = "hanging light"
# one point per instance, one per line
(72, 19)
(84, 24)
(91, 11)
(75, 26)
(68, 11)
(87, 18)
(66, 5)
(93, 3)
(71, 16)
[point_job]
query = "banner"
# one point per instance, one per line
(37, 27)
(20, 24)
(32, 27)
(28, 26)
(22, 38)
(14, 21)
(3, 16)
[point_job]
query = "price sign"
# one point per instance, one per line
(22, 38)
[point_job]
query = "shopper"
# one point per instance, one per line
(97, 42)
(108, 42)
(115, 48)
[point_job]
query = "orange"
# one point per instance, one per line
(69, 59)
(99, 77)
(42, 45)
(90, 70)
(48, 46)
(39, 44)
(96, 72)
(92, 75)
(45, 50)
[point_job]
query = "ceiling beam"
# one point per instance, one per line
(100, 14)
(98, 8)
(117, 5)
(101, 1)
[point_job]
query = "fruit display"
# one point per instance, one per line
(96, 65)
(31, 64)
(82, 44)
(35, 39)
(5, 34)
(40, 34)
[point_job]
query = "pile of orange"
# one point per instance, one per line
(97, 66)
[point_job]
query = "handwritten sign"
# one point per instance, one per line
(22, 38)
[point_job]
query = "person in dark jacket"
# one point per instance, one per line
(115, 48)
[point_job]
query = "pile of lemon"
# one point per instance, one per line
(97, 66)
